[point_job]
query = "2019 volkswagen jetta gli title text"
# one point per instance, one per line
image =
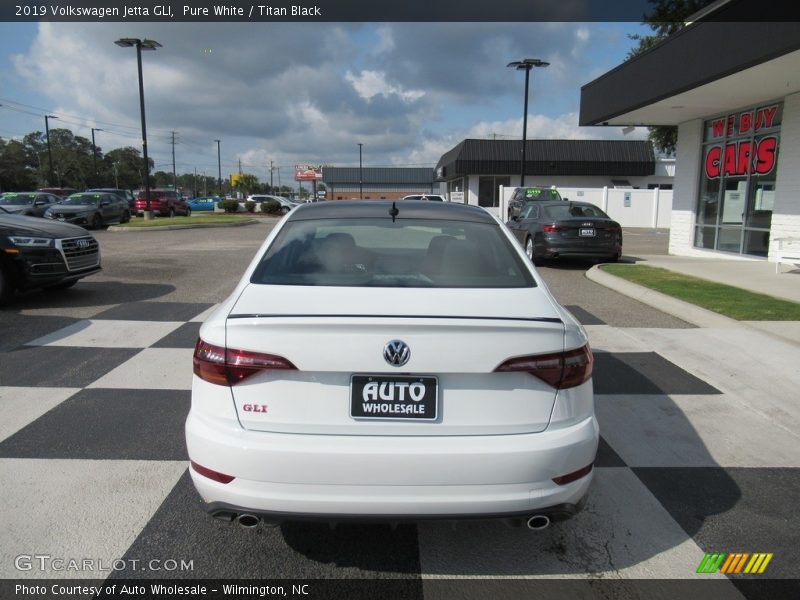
(390, 361)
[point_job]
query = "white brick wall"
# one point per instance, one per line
(787, 185)
(684, 196)
(681, 236)
(783, 226)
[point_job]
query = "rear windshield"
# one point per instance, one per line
(379, 253)
(568, 211)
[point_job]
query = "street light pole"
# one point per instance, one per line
(142, 45)
(94, 154)
(526, 65)
(219, 168)
(49, 152)
(360, 174)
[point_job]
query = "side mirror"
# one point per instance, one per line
(565, 199)
(515, 218)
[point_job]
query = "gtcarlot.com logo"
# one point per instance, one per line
(46, 562)
(736, 562)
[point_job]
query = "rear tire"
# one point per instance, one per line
(613, 259)
(283, 210)
(97, 222)
(171, 213)
(188, 211)
(126, 217)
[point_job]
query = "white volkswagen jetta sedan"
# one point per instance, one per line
(391, 361)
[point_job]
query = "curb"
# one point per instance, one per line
(685, 311)
(119, 229)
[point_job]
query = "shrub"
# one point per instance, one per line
(250, 206)
(229, 205)
(270, 206)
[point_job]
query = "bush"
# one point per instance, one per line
(250, 206)
(270, 206)
(229, 206)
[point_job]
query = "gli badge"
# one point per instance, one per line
(256, 408)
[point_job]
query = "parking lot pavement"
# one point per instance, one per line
(699, 453)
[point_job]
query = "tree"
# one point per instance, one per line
(122, 168)
(15, 172)
(667, 17)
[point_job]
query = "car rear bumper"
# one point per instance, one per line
(288, 476)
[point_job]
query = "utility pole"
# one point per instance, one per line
(94, 154)
(174, 176)
(360, 174)
(219, 169)
(50, 181)
(194, 183)
(271, 191)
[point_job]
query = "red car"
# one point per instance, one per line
(163, 203)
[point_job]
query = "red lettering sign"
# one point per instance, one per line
(745, 122)
(739, 159)
(762, 118)
(718, 128)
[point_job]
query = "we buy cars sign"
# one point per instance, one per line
(738, 158)
(307, 172)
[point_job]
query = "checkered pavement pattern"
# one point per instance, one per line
(93, 464)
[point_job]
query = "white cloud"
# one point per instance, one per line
(371, 83)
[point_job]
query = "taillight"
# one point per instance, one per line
(574, 476)
(614, 229)
(228, 366)
(560, 370)
(552, 228)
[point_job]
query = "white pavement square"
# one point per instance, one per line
(77, 509)
(152, 369)
(21, 406)
(108, 334)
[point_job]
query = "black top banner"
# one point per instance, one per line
(368, 10)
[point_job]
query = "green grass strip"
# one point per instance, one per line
(727, 300)
(179, 221)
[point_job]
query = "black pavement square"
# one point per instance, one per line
(107, 424)
(184, 336)
(734, 510)
(584, 316)
(20, 329)
(154, 311)
(606, 457)
(643, 373)
(60, 366)
(181, 529)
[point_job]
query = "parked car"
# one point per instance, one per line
(35, 253)
(31, 204)
(286, 204)
(126, 194)
(205, 203)
(60, 192)
(163, 203)
(91, 209)
(327, 387)
(434, 197)
(521, 195)
(559, 229)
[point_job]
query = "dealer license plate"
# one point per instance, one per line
(586, 233)
(394, 397)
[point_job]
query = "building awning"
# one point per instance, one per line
(547, 157)
(706, 68)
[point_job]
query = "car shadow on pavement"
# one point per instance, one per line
(89, 293)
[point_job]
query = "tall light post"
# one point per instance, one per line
(94, 154)
(49, 152)
(360, 174)
(526, 64)
(219, 169)
(142, 45)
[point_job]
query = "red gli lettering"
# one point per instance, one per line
(712, 162)
(765, 155)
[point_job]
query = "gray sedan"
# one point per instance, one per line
(558, 229)
(31, 204)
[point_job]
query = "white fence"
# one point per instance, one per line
(631, 208)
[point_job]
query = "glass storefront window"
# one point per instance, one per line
(737, 184)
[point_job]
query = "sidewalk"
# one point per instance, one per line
(752, 275)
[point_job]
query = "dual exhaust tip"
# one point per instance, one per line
(250, 521)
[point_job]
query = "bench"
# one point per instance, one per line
(787, 250)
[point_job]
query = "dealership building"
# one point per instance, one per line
(378, 183)
(733, 90)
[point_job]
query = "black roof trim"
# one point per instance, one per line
(548, 157)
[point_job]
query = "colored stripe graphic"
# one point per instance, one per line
(734, 563)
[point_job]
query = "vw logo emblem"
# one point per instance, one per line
(396, 353)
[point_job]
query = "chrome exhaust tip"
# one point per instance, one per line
(538, 522)
(248, 521)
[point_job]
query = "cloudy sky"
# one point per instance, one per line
(303, 92)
